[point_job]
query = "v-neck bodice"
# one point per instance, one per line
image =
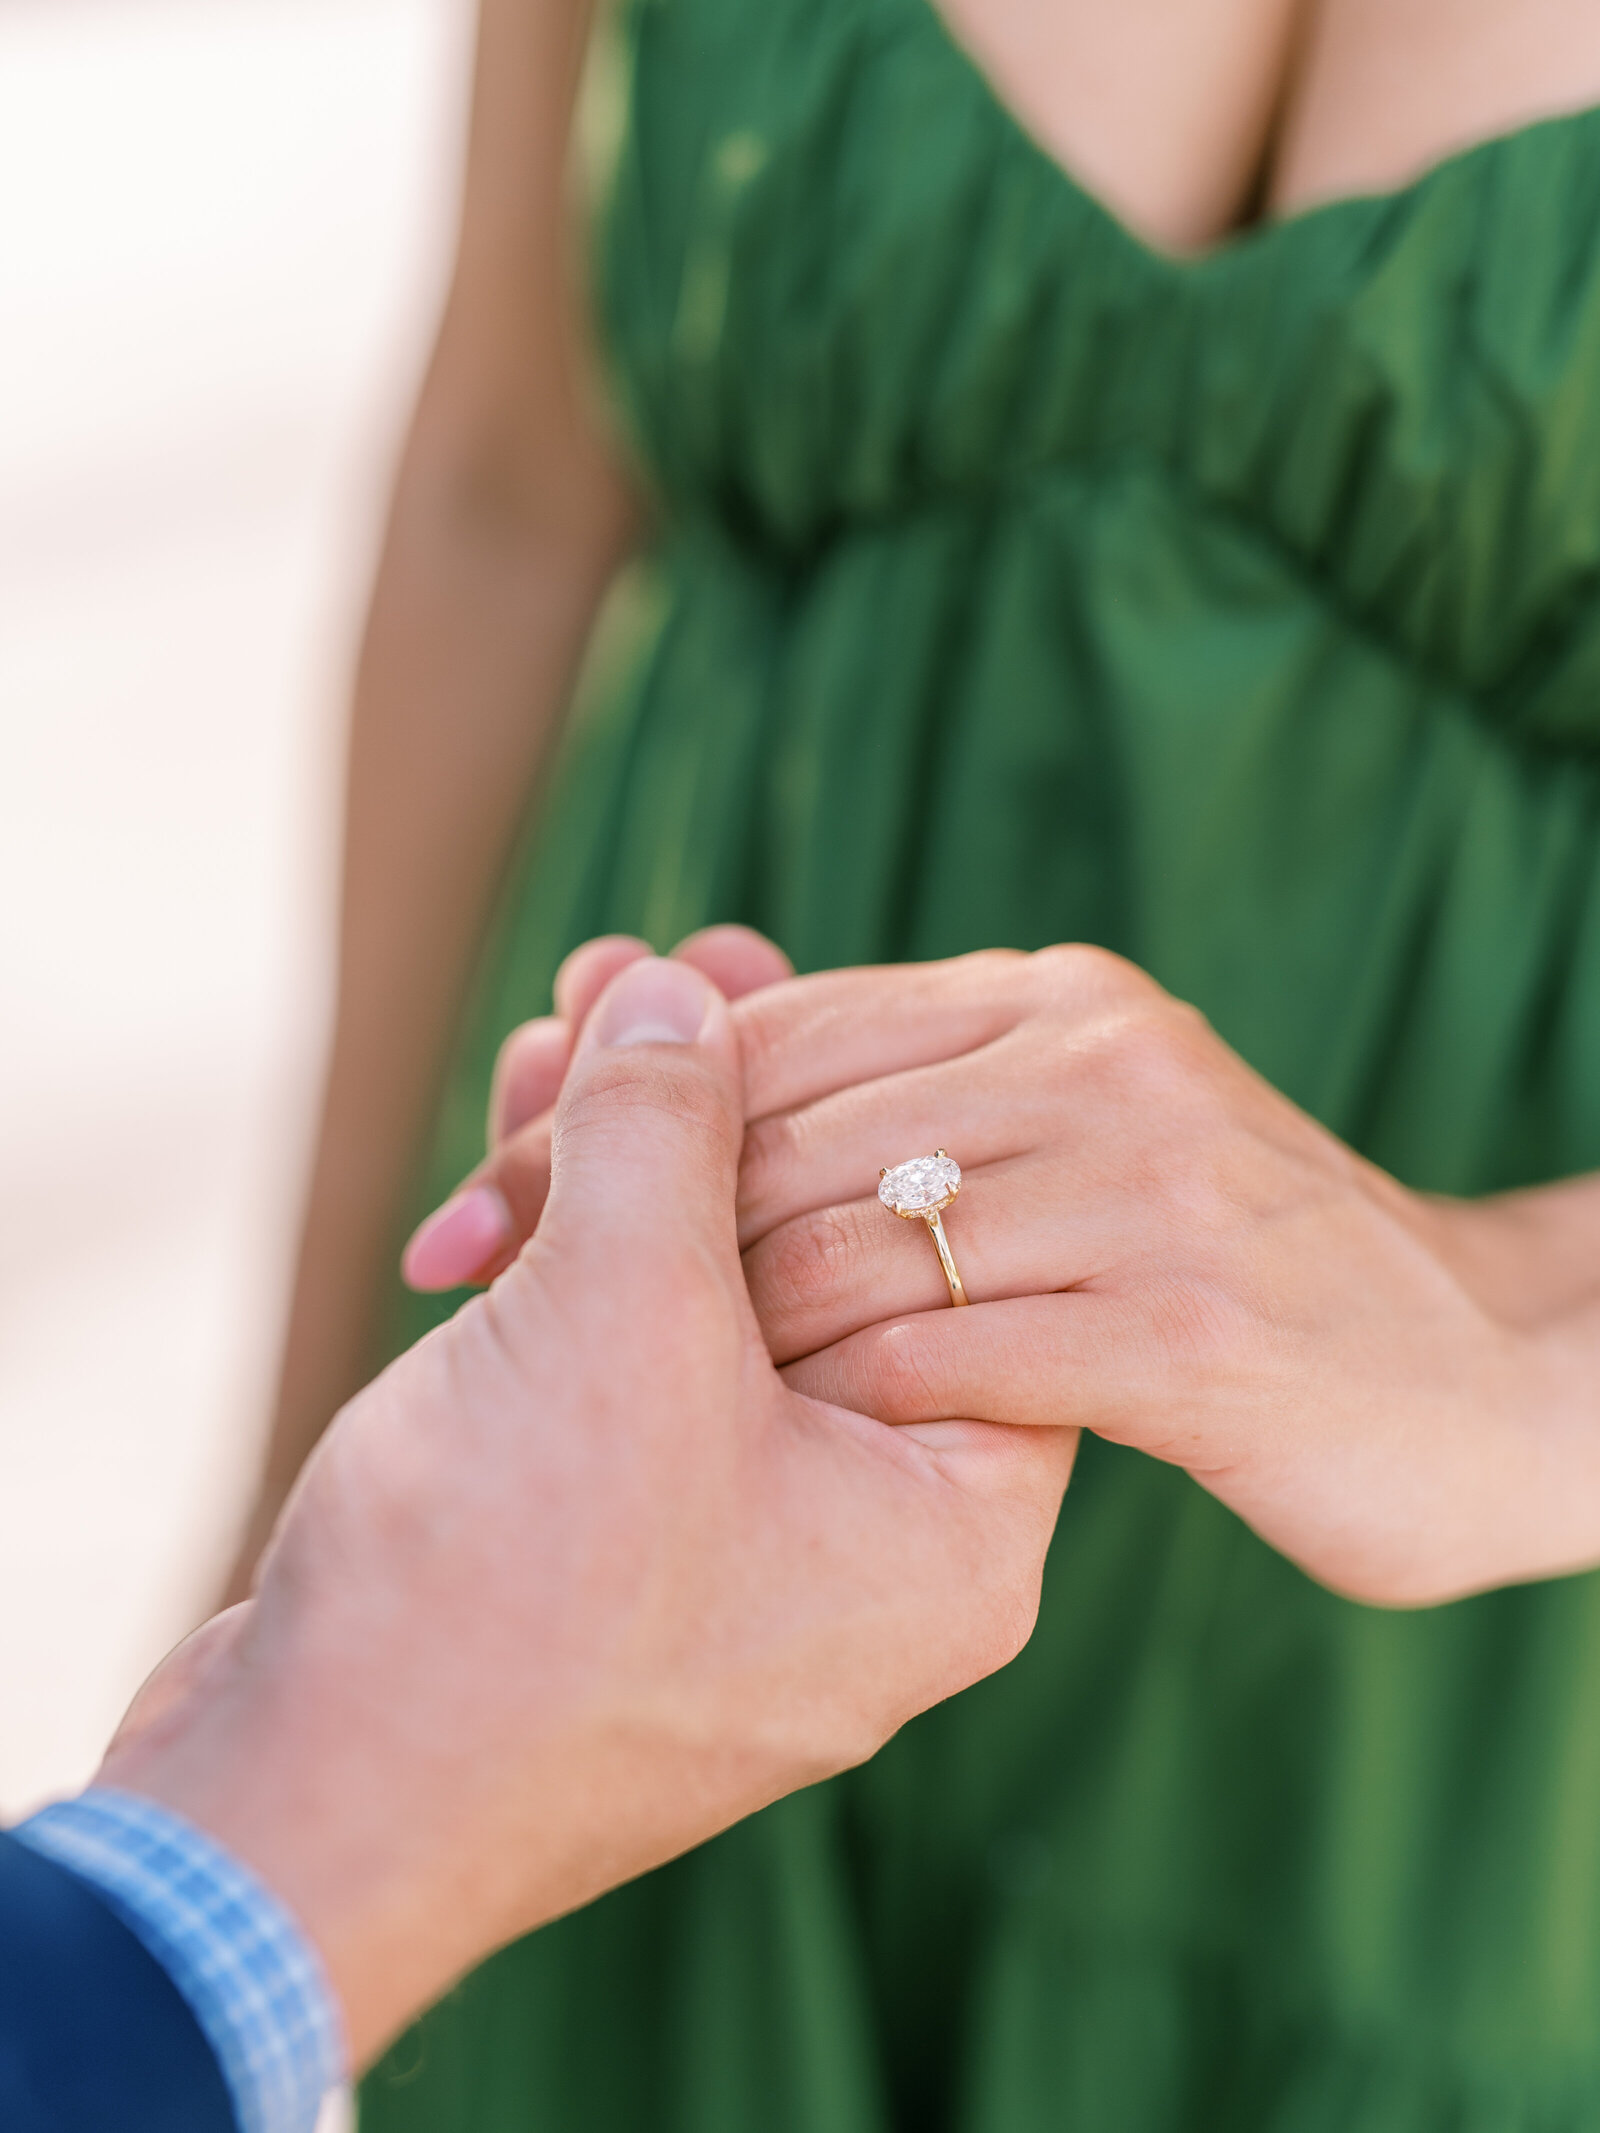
(844, 286)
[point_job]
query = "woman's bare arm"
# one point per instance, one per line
(509, 515)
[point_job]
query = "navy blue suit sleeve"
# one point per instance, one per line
(94, 2035)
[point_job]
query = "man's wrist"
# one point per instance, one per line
(251, 1975)
(263, 1750)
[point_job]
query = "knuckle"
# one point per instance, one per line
(809, 1260)
(987, 964)
(768, 1154)
(1083, 972)
(897, 1379)
(760, 1022)
(771, 1022)
(606, 1096)
(1154, 1053)
(1143, 1048)
(633, 1089)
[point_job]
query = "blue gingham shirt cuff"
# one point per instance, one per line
(255, 1983)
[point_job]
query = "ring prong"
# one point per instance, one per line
(944, 1152)
(883, 1173)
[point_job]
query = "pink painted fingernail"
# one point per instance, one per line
(457, 1240)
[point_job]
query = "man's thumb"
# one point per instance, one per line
(651, 1118)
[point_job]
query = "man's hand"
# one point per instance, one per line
(579, 1581)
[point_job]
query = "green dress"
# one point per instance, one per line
(1017, 584)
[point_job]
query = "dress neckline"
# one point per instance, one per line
(1271, 231)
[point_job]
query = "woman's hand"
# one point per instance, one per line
(1164, 1250)
(1160, 1248)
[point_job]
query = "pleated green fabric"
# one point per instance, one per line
(1017, 584)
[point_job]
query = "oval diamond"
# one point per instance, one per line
(918, 1187)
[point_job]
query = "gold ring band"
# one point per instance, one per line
(917, 1191)
(941, 1244)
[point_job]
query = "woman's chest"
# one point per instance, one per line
(1190, 117)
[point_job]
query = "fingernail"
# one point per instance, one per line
(457, 1239)
(654, 1003)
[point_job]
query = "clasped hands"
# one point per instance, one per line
(578, 1581)
(583, 1577)
(1394, 1390)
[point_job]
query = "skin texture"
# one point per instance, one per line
(1384, 88)
(1394, 1390)
(1189, 117)
(579, 1580)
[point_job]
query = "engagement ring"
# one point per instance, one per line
(916, 1191)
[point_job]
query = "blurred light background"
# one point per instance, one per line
(223, 226)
